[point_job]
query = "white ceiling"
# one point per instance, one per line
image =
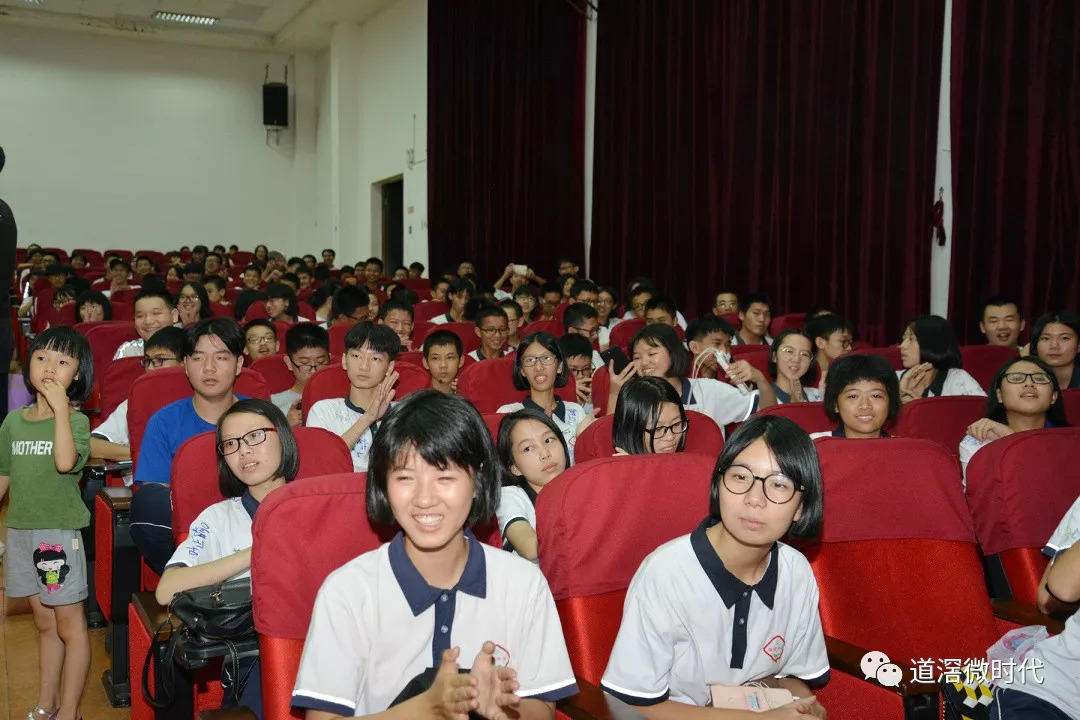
(296, 25)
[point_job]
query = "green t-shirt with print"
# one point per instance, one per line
(41, 497)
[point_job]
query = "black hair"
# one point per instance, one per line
(995, 409)
(657, 302)
(440, 338)
(92, 296)
(204, 299)
(225, 329)
(347, 300)
(257, 323)
(232, 486)
(115, 261)
(700, 327)
(154, 292)
(937, 342)
(573, 345)
(576, 312)
(550, 287)
(662, 335)
(824, 326)
(379, 338)
(309, 255)
(1001, 301)
(170, 338)
(265, 249)
(405, 296)
(215, 280)
(1062, 317)
(795, 454)
(490, 311)
(441, 280)
(66, 340)
(200, 248)
(252, 266)
(583, 286)
(322, 271)
(3, 159)
(567, 259)
(610, 291)
(374, 261)
(443, 430)
(638, 408)
(475, 305)
(850, 369)
(333, 253)
(460, 286)
(195, 268)
(505, 444)
(390, 305)
(148, 259)
(302, 270)
(64, 292)
(418, 266)
(281, 290)
(510, 304)
(306, 335)
(808, 376)
(76, 254)
(530, 290)
(817, 311)
(754, 297)
(220, 249)
(547, 341)
(291, 277)
(563, 279)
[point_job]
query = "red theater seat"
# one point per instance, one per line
(116, 382)
(790, 321)
(464, 330)
(105, 338)
(942, 419)
(623, 332)
(703, 436)
(489, 385)
(983, 361)
(1071, 398)
(810, 416)
(596, 522)
(333, 382)
(555, 327)
(892, 354)
(275, 372)
(425, 311)
(1018, 489)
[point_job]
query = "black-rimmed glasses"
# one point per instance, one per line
(778, 488)
(1018, 378)
(250, 438)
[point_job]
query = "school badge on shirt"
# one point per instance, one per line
(775, 648)
(502, 656)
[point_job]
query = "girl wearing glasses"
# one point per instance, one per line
(539, 367)
(649, 418)
(729, 604)
(1024, 396)
(192, 303)
(791, 362)
(256, 455)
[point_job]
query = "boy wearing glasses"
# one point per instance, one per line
(110, 439)
(581, 319)
(493, 328)
(579, 353)
(307, 349)
(260, 338)
(369, 363)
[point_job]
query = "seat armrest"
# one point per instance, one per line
(846, 658)
(116, 498)
(153, 615)
(1022, 613)
(237, 713)
(592, 703)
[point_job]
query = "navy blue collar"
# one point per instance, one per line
(250, 504)
(560, 407)
(729, 587)
(687, 393)
(529, 492)
(480, 353)
(839, 432)
(781, 397)
(415, 588)
(354, 408)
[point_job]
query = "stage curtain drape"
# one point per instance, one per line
(505, 134)
(1016, 156)
(770, 145)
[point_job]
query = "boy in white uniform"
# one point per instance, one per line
(307, 349)
(153, 310)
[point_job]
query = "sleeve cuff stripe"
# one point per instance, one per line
(553, 695)
(634, 698)
(511, 521)
(312, 701)
(556, 687)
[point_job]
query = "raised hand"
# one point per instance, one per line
(296, 413)
(496, 685)
(56, 395)
(916, 380)
(384, 394)
(452, 695)
(987, 429)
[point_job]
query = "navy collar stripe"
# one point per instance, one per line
(415, 588)
(560, 407)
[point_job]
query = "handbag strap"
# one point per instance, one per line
(166, 669)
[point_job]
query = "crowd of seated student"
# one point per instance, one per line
(666, 376)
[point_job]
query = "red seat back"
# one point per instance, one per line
(94, 258)
(791, 321)
(892, 354)
(897, 565)
(489, 385)
(302, 533)
(121, 311)
(1018, 489)
(116, 382)
(810, 416)
(555, 327)
(983, 361)
(942, 419)
(257, 309)
(241, 258)
(733, 318)
(277, 374)
(105, 338)
(596, 522)
(703, 437)
(624, 331)
(420, 330)
(746, 352)
(337, 337)
(125, 254)
(466, 331)
(420, 286)
(1071, 398)
(494, 422)
(333, 382)
(425, 311)
(601, 386)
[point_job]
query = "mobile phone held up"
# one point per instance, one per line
(615, 354)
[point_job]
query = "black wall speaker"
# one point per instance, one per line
(276, 105)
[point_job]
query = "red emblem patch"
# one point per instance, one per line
(775, 648)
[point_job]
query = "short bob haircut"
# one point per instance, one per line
(505, 443)
(225, 329)
(995, 409)
(808, 376)
(795, 454)
(851, 369)
(664, 336)
(444, 430)
(937, 343)
(550, 343)
(1062, 317)
(91, 297)
(379, 338)
(638, 408)
(64, 339)
(285, 292)
(229, 484)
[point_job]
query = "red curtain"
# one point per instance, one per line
(779, 146)
(1016, 156)
(505, 133)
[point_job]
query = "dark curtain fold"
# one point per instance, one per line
(505, 133)
(782, 146)
(1016, 156)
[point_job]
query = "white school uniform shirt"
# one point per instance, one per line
(517, 503)
(603, 337)
(220, 530)
(968, 447)
(377, 625)
(115, 430)
(736, 339)
(722, 402)
(338, 415)
(1059, 655)
(131, 348)
(688, 623)
(475, 354)
(284, 400)
(957, 382)
(442, 319)
(811, 394)
(566, 416)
